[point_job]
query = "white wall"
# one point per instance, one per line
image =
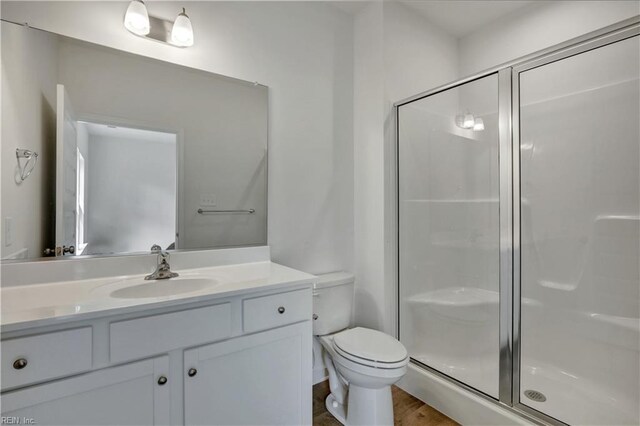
(370, 307)
(397, 54)
(28, 86)
(303, 52)
(418, 55)
(139, 189)
(538, 26)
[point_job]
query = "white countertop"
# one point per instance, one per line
(36, 305)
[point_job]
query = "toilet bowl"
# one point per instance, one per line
(362, 363)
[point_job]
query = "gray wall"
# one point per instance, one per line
(29, 75)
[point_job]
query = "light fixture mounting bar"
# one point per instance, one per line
(160, 30)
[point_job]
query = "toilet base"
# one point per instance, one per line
(360, 394)
(336, 409)
(369, 406)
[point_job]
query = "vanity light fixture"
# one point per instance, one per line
(467, 121)
(136, 19)
(182, 31)
(478, 124)
(138, 22)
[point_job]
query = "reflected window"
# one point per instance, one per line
(81, 242)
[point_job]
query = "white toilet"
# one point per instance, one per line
(362, 363)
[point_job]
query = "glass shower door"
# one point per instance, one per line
(448, 188)
(580, 236)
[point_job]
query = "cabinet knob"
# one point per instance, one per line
(281, 310)
(20, 363)
(192, 372)
(162, 380)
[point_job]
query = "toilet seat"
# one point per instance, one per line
(370, 348)
(367, 373)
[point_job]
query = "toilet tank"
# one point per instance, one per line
(332, 302)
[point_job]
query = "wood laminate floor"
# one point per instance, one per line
(407, 410)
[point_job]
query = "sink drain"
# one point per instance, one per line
(534, 395)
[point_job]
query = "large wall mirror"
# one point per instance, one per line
(106, 152)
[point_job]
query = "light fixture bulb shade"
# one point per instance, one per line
(468, 121)
(479, 124)
(136, 19)
(182, 32)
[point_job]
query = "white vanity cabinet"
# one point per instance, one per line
(259, 379)
(231, 360)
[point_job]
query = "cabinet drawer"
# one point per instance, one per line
(48, 356)
(142, 337)
(261, 313)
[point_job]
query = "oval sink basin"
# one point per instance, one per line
(162, 288)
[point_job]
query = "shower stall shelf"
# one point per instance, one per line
(519, 231)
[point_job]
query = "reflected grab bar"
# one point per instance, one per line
(250, 211)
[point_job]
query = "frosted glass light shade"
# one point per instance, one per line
(182, 32)
(136, 19)
(468, 121)
(479, 124)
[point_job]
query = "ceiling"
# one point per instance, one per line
(458, 17)
(351, 7)
(462, 17)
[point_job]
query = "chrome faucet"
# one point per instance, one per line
(163, 270)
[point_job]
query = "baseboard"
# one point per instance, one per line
(455, 402)
(319, 375)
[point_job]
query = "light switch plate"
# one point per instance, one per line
(8, 231)
(207, 200)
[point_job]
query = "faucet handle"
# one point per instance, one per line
(156, 249)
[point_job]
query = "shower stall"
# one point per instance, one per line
(519, 231)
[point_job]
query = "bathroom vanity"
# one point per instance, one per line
(220, 345)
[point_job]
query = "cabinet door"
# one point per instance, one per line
(260, 379)
(124, 395)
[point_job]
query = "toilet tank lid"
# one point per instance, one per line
(333, 279)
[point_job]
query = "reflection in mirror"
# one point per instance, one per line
(150, 161)
(132, 152)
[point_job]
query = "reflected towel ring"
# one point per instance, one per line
(32, 159)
